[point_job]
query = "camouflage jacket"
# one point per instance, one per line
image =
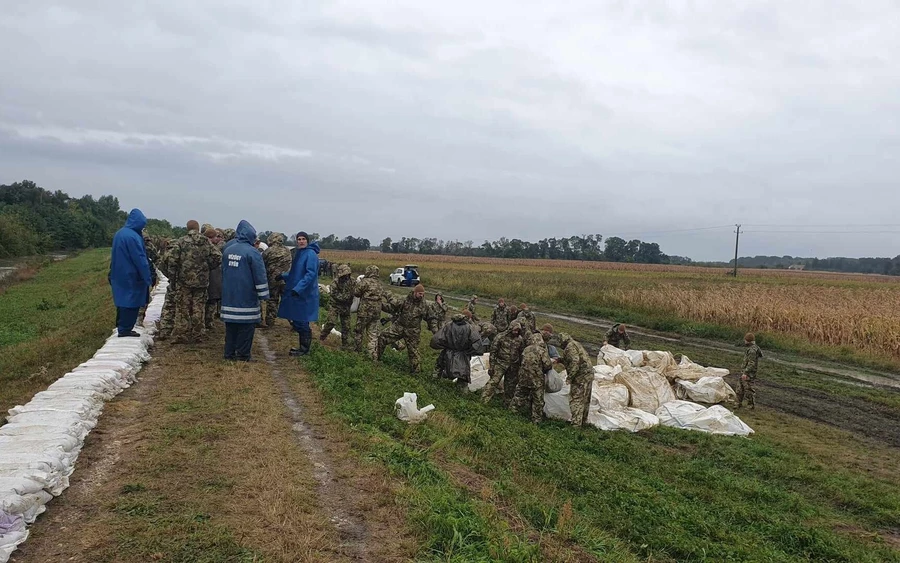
(470, 306)
(578, 364)
(437, 316)
(535, 362)
(507, 349)
(485, 329)
(191, 259)
(151, 249)
(371, 296)
(528, 321)
(751, 359)
(617, 339)
(342, 293)
(409, 312)
(277, 259)
(499, 318)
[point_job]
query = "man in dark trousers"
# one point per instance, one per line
(129, 273)
(244, 285)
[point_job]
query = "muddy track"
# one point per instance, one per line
(334, 497)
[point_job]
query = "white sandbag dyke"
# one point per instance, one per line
(632, 420)
(43, 439)
(691, 416)
(709, 389)
(647, 389)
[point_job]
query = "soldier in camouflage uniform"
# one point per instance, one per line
(500, 318)
(748, 372)
(580, 371)
(530, 390)
(618, 337)
(228, 235)
(214, 295)
(470, 306)
(408, 314)
(526, 317)
(484, 328)
(437, 314)
(511, 314)
(192, 257)
(167, 316)
(506, 357)
(277, 259)
(342, 288)
(371, 297)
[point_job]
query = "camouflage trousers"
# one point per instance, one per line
(409, 336)
(167, 316)
(212, 313)
(497, 372)
(366, 333)
(530, 395)
(580, 396)
(339, 317)
(746, 389)
(190, 310)
(275, 293)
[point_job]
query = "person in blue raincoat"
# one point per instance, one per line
(244, 286)
(300, 303)
(129, 273)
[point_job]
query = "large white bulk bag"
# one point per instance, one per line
(691, 416)
(709, 389)
(647, 389)
(632, 420)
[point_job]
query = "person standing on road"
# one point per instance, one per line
(214, 294)
(499, 318)
(617, 337)
(243, 288)
(470, 306)
(300, 304)
(580, 371)
(193, 256)
(277, 259)
(129, 273)
(748, 371)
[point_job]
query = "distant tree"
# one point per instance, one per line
(615, 249)
(386, 245)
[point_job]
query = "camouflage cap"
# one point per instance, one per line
(371, 270)
(536, 338)
(275, 238)
(228, 234)
(205, 227)
(457, 317)
(343, 270)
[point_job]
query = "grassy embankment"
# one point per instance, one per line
(52, 322)
(846, 318)
(486, 485)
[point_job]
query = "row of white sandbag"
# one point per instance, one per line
(42, 439)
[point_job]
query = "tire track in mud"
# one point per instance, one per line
(334, 498)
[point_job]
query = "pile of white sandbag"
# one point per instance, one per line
(41, 441)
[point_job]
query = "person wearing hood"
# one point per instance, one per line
(506, 357)
(500, 316)
(278, 261)
(129, 273)
(243, 288)
(300, 304)
(458, 341)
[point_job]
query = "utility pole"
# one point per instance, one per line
(737, 237)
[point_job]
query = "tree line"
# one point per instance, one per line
(884, 266)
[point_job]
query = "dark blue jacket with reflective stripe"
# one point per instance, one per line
(244, 282)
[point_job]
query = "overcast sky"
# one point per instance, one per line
(470, 119)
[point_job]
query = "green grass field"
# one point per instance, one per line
(52, 322)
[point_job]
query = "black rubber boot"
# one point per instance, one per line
(305, 342)
(296, 351)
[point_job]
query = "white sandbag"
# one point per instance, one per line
(553, 381)
(647, 389)
(636, 356)
(406, 409)
(122, 368)
(40, 442)
(691, 416)
(478, 379)
(609, 396)
(556, 405)
(606, 374)
(57, 419)
(84, 407)
(52, 482)
(629, 419)
(661, 362)
(705, 390)
(35, 429)
(689, 371)
(354, 307)
(612, 356)
(29, 506)
(12, 533)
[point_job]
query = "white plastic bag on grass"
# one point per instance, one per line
(406, 408)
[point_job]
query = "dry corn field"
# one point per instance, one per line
(855, 311)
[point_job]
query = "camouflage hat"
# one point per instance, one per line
(343, 270)
(515, 325)
(371, 270)
(536, 338)
(229, 234)
(275, 238)
(457, 317)
(205, 227)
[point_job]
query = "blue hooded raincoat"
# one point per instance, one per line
(244, 282)
(300, 301)
(129, 269)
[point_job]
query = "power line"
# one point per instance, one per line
(678, 230)
(832, 225)
(828, 232)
